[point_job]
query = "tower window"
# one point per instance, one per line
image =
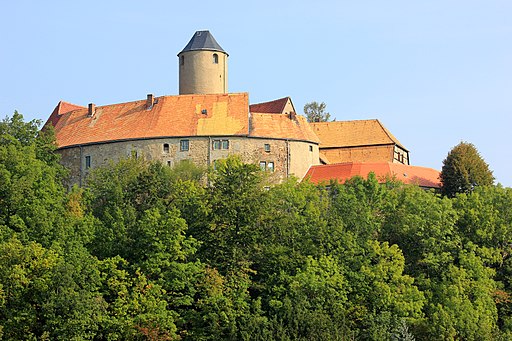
(166, 148)
(215, 58)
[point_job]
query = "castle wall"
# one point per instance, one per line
(269, 154)
(302, 156)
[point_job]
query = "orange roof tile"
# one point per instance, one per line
(61, 108)
(292, 127)
(226, 114)
(421, 176)
(273, 107)
(353, 133)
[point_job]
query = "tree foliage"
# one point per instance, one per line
(149, 252)
(463, 170)
(315, 112)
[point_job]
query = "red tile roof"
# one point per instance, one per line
(353, 133)
(421, 176)
(226, 114)
(277, 119)
(62, 108)
(292, 127)
(273, 107)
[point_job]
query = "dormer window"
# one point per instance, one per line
(215, 58)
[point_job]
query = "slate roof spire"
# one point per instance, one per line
(203, 40)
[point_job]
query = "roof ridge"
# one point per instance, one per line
(391, 136)
(346, 121)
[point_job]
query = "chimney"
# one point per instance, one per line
(92, 109)
(150, 101)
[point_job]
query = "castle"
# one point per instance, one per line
(205, 123)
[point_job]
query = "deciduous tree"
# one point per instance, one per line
(315, 112)
(463, 170)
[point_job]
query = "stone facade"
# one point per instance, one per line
(280, 158)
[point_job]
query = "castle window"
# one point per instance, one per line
(87, 162)
(184, 145)
(263, 165)
(215, 58)
(166, 148)
(270, 166)
(182, 60)
(267, 147)
(220, 144)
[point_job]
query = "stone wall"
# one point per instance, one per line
(270, 154)
(302, 156)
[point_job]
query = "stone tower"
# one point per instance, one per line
(203, 66)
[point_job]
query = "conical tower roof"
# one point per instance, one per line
(203, 40)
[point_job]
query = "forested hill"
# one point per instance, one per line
(148, 252)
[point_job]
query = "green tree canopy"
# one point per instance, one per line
(463, 170)
(315, 112)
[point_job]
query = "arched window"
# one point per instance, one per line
(215, 58)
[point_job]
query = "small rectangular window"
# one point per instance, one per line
(270, 166)
(166, 148)
(267, 147)
(263, 165)
(220, 144)
(87, 162)
(184, 145)
(169, 163)
(310, 148)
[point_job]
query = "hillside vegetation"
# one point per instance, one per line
(148, 252)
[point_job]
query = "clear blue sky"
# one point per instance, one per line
(434, 72)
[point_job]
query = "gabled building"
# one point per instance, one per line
(358, 141)
(205, 123)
